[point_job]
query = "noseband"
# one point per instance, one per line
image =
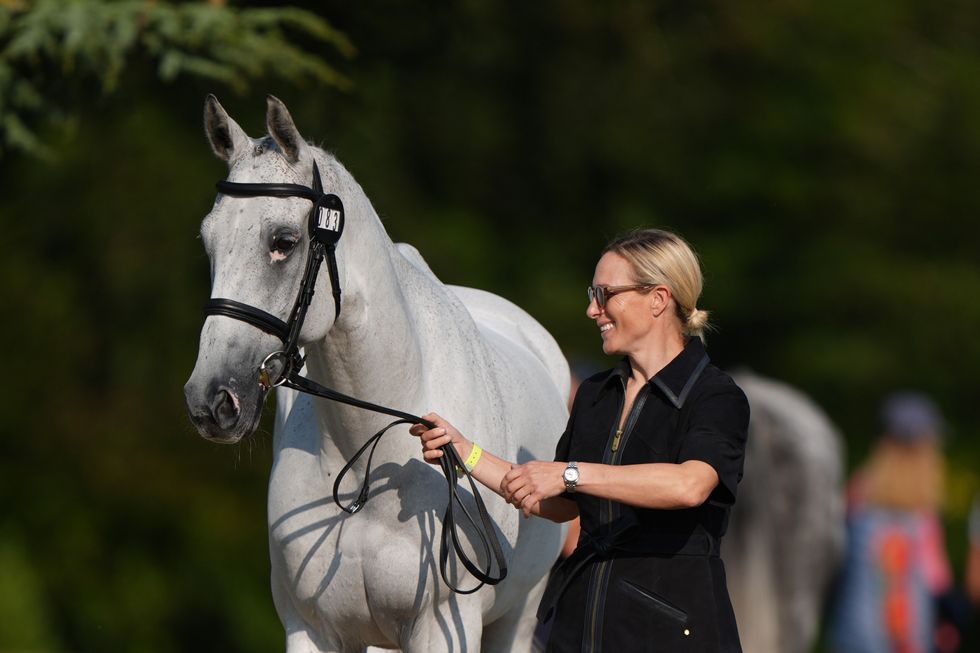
(325, 226)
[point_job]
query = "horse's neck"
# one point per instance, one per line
(372, 352)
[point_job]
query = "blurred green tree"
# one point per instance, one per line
(48, 48)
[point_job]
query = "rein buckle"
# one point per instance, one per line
(274, 370)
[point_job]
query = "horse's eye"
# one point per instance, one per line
(284, 244)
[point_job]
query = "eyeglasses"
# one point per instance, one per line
(602, 294)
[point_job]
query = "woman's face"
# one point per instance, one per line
(626, 322)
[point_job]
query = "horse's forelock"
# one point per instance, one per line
(265, 145)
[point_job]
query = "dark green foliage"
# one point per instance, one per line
(49, 48)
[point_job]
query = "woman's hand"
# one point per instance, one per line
(529, 488)
(526, 486)
(444, 433)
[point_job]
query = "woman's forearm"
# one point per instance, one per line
(556, 509)
(489, 469)
(651, 485)
(533, 487)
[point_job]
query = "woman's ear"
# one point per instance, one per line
(660, 300)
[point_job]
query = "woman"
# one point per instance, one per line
(649, 461)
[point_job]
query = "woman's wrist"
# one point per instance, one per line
(476, 451)
(469, 455)
(463, 448)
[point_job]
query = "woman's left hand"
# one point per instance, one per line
(525, 486)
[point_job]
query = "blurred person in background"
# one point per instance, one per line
(896, 567)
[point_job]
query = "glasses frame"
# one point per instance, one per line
(602, 294)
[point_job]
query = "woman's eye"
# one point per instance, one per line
(284, 244)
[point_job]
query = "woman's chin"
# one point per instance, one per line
(609, 347)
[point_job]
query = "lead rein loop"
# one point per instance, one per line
(450, 463)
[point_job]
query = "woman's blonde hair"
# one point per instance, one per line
(660, 257)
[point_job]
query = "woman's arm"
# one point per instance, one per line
(654, 485)
(710, 457)
(490, 470)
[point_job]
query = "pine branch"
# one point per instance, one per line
(45, 41)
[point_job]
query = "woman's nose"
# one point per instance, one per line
(593, 310)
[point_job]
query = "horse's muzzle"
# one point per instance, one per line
(220, 412)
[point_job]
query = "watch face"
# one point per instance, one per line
(571, 475)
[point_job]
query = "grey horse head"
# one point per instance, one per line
(257, 248)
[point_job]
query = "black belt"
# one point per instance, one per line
(627, 539)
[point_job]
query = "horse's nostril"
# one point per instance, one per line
(225, 408)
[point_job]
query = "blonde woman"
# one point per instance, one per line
(650, 461)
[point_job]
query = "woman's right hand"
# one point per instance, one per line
(444, 433)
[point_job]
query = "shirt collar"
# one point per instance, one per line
(677, 378)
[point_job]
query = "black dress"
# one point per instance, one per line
(644, 579)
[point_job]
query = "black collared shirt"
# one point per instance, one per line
(690, 410)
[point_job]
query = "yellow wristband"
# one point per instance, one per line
(474, 457)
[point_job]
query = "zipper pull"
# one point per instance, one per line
(615, 442)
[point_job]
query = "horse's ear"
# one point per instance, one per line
(283, 130)
(227, 139)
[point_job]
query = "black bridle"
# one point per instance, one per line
(325, 226)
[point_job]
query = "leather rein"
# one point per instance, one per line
(325, 226)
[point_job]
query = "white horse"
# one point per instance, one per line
(402, 339)
(786, 539)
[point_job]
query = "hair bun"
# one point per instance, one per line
(696, 322)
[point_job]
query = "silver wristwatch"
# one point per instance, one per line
(570, 476)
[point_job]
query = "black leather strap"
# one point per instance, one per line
(485, 529)
(254, 316)
(307, 288)
(334, 278)
(236, 189)
(450, 462)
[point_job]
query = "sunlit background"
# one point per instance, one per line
(823, 158)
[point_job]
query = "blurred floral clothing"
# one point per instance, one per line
(895, 567)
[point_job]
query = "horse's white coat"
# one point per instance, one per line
(403, 339)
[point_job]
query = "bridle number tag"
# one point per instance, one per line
(328, 219)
